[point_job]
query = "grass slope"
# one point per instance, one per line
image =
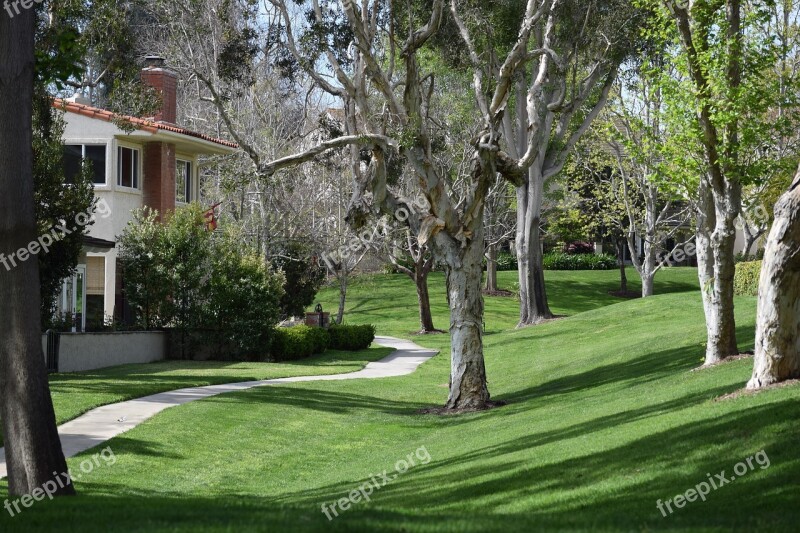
(78, 392)
(604, 418)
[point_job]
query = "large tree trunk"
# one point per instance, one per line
(716, 237)
(425, 317)
(468, 388)
(777, 356)
(491, 268)
(33, 450)
(532, 293)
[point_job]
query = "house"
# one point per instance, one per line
(155, 165)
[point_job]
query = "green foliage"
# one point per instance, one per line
(215, 291)
(351, 338)
(56, 201)
(303, 276)
(298, 342)
(241, 299)
(506, 261)
(745, 282)
(563, 261)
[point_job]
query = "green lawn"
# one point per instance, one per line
(78, 392)
(604, 418)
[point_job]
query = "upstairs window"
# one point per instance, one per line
(128, 167)
(183, 182)
(76, 154)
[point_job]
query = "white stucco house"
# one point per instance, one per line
(155, 165)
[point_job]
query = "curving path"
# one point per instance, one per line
(103, 423)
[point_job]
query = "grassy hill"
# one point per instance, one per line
(605, 417)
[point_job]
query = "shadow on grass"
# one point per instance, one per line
(614, 486)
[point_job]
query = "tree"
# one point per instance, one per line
(777, 351)
(416, 262)
(303, 275)
(453, 231)
(56, 201)
(33, 449)
(542, 97)
(725, 59)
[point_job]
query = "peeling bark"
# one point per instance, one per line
(777, 355)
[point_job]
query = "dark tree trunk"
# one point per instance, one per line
(491, 268)
(342, 295)
(623, 276)
(532, 293)
(33, 450)
(777, 356)
(425, 317)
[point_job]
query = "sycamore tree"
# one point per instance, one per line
(722, 57)
(540, 80)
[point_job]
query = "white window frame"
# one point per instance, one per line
(189, 188)
(138, 165)
(83, 145)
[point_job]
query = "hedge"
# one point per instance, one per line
(290, 344)
(351, 338)
(562, 261)
(745, 282)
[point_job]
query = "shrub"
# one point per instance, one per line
(579, 248)
(304, 276)
(344, 337)
(289, 344)
(506, 261)
(562, 261)
(745, 282)
(241, 300)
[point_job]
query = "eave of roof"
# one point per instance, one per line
(139, 123)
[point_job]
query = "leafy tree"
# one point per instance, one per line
(56, 201)
(240, 299)
(303, 276)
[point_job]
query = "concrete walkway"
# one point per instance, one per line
(104, 423)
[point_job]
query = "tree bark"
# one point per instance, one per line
(425, 317)
(777, 354)
(33, 450)
(342, 297)
(623, 277)
(716, 237)
(468, 389)
(491, 268)
(534, 307)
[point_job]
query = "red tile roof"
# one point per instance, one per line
(139, 123)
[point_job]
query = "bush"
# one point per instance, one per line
(579, 248)
(745, 282)
(506, 261)
(351, 338)
(290, 344)
(562, 261)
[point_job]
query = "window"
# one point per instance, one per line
(128, 167)
(76, 154)
(183, 182)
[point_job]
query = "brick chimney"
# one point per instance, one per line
(165, 81)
